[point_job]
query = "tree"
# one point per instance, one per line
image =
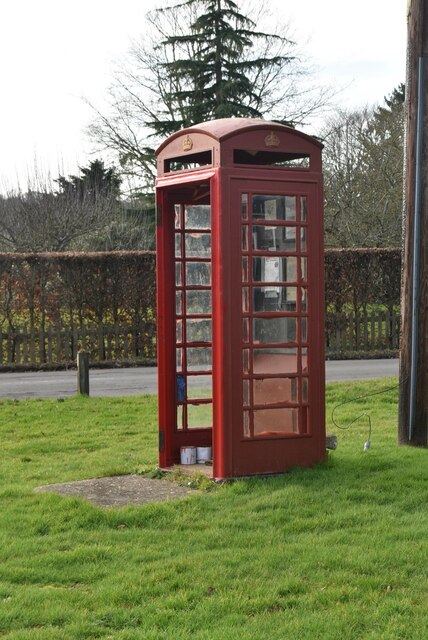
(219, 80)
(363, 168)
(42, 219)
(200, 60)
(95, 182)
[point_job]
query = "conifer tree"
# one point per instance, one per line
(220, 81)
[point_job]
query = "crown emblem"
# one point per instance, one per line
(187, 143)
(272, 140)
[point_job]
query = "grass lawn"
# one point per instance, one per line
(335, 552)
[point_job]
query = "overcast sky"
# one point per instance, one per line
(53, 53)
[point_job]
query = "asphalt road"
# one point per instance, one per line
(143, 380)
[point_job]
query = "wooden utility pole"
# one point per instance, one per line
(413, 402)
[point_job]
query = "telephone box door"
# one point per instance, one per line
(278, 359)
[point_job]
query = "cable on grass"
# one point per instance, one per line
(363, 415)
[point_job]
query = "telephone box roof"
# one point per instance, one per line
(225, 128)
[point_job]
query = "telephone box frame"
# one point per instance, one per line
(219, 163)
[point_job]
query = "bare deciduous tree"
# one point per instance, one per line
(145, 91)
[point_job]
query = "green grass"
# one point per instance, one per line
(335, 552)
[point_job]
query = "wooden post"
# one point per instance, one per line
(413, 401)
(83, 373)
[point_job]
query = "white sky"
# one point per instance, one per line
(53, 53)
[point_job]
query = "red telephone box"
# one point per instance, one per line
(240, 306)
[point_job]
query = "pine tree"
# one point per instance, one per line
(220, 81)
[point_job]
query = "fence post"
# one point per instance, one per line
(83, 373)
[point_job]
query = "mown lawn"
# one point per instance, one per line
(335, 552)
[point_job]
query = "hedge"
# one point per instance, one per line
(74, 292)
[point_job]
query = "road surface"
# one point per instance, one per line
(143, 380)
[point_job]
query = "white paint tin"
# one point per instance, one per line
(188, 455)
(203, 455)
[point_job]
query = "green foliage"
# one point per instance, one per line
(94, 182)
(219, 80)
(337, 551)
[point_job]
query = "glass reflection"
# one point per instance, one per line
(244, 206)
(177, 216)
(303, 208)
(274, 390)
(275, 360)
(198, 330)
(275, 421)
(198, 245)
(274, 330)
(275, 298)
(178, 245)
(199, 358)
(197, 216)
(274, 207)
(198, 302)
(275, 269)
(274, 238)
(198, 273)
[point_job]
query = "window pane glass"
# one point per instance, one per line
(199, 387)
(303, 243)
(197, 216)
(274, 207)
(199, 415)
(274, 329)
(305, 360)
(198, 358)
(245, 329)
(304, 209)
(246, 392)
(275, 299)
(198, 330)
(274, 238)
(178, 245)
(178, 303)
(304, 300)
(278, 360)
(275, 421)
(304, 268)
(178, 273)
(245, 300)
(304, 389)
(179, 359)
(274, 390)
(274, 269)
(198, 302)
(246, 424)
(198, 273)
(245, 269)
(181, 388)
(179, 417)
(198, 245)
(245, 238)
(304, 330)
(177, 216)
(179, 331)
(246, 360)
(244, 206)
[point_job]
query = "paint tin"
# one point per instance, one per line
(203, 455)
(188, 455)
